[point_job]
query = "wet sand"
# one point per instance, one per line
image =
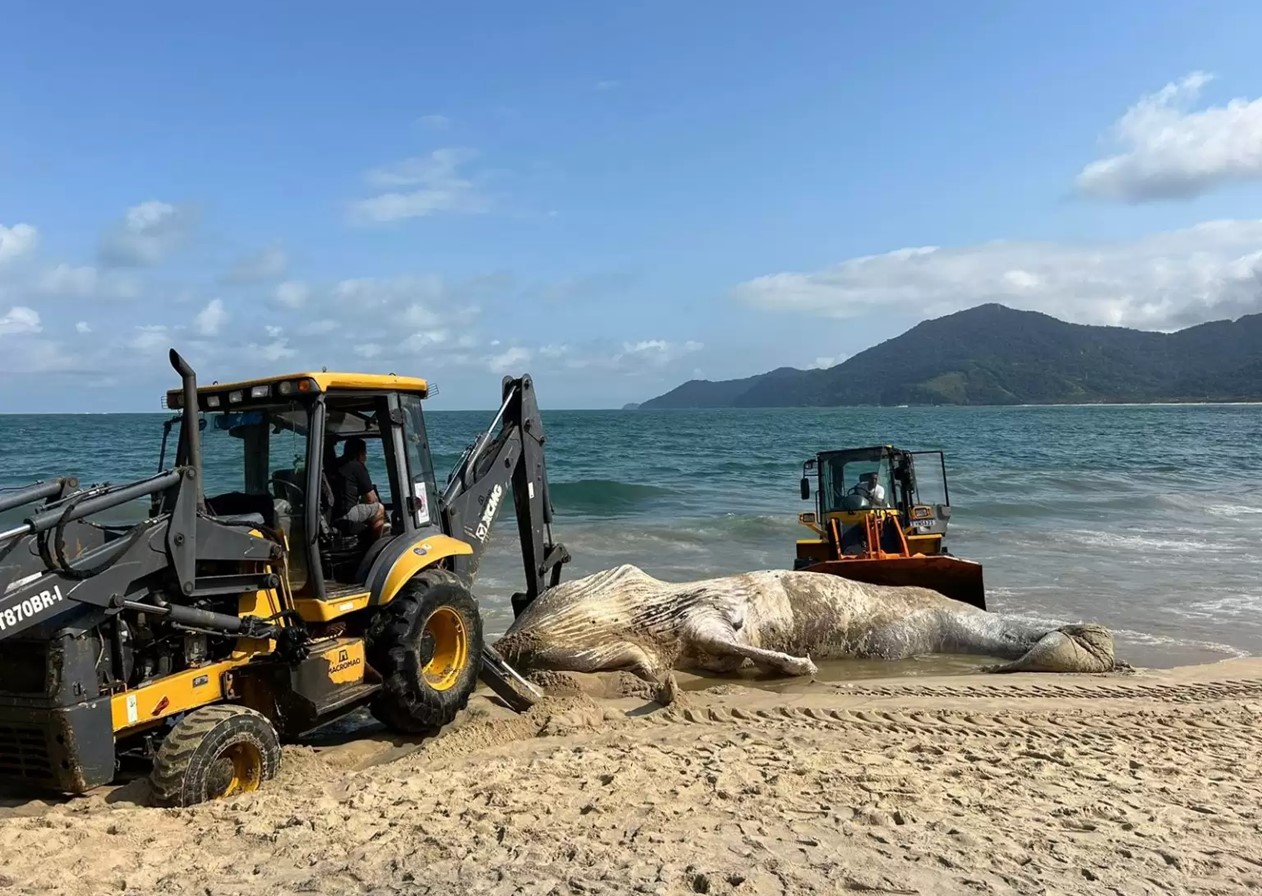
(1129, 783)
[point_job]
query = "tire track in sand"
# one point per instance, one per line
(1164, 692)
(1137, 726)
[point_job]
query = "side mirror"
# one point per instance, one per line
(806, 488)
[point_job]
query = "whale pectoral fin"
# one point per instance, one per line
(629, 657)
(714, 640)
(616, 657)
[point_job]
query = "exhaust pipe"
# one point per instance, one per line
(192, 435)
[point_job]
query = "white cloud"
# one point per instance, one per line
(656, 351)
(272, 351)
(826, 362)
(147, 235)
(16, 241)
(630, 358)
(436, 122)
(68, 280)
(424, 306)
(439, 187)
(418, 315)
(320, 327)
(85, 282)
(425, 339)
(608, 85)
(40, 356)
(266, 264)
(1173, 153)
(1159, 281)
(511, 358)
(380, 292)
(292, 294)
(20, 320)
(211, 318)
(389, 323)
(150, 337)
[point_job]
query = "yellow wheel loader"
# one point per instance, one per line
(200, 638)
(881, 519)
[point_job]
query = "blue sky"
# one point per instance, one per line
(615, 200)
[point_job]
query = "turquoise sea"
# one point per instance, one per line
(1147, 519)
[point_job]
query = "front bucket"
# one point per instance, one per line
(950, 576)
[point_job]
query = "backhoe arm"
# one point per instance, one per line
(509, 456)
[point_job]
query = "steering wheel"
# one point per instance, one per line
(295, 486)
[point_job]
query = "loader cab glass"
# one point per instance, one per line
(276, 463)
(252, 465)
(928, 483)
(855, 480)
(422, 490)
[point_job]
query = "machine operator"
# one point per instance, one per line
(355, 499)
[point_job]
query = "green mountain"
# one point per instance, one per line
(993, 354)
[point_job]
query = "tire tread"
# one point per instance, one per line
(182, 747)
(404, 704)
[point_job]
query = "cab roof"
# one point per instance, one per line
(314, 382)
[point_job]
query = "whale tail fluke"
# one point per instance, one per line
(1085, 648)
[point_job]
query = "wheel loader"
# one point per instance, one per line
(199, 638)
(881, 520)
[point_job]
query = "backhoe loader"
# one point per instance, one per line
(201, 637)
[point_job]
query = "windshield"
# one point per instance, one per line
(864, 472)
(253, 461)
(249, 451)
(931, 487)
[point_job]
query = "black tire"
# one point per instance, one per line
(414, 699)
(215, 752)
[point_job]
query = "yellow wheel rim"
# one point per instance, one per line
(449, 642)
(238, 769)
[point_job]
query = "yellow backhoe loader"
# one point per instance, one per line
(200, 638)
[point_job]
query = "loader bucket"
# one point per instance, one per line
(950, 576)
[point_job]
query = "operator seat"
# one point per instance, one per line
(241, 507)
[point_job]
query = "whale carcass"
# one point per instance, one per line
(623, 619)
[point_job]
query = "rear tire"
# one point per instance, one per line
(215, 752)
(427, 647)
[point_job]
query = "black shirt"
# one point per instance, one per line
(353, 483)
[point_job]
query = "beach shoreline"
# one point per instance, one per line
(1127, 782)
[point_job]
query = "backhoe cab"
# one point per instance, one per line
(881, 517)
(221, 624)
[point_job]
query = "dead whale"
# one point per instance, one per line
(781, 621)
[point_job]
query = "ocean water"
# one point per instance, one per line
(1147, 519)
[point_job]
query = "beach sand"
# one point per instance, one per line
(1148, 782)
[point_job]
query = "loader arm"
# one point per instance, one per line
(509, 456)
